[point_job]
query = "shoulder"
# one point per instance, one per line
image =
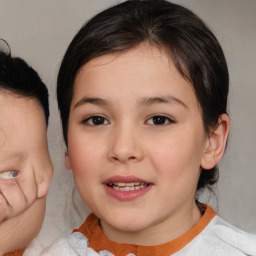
(234, 237)
(75, 244)
(221, 238)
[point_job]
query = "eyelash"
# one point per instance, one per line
(97, 120)
(90, 121)
(161, 118)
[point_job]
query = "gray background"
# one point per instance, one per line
(40, 31)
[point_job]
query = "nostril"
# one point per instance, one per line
(118, 159)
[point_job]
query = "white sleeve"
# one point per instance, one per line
(75, 244)
(220, 238)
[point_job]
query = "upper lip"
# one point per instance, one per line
(124, 179)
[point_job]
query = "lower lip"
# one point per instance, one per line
(126, 195)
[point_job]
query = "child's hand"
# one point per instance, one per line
(25, 165)
(16, 193)
(19, 189)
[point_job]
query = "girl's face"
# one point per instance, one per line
(135, 145)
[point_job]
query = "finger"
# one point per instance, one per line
(43, 173)
(13, 201)
(27, 182)
(4, 208)
(43, 177)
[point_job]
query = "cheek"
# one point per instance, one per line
(83, 163)
(84, 156)
(177, 171)
(178, 156)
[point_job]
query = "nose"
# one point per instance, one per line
(125, 146)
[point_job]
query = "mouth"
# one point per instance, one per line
(127, 186)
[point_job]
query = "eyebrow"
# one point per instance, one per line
(163, 99)
(91, 100)
(145, 101)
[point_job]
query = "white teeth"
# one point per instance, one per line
(129, 187)
(128, 184)
(120, 184)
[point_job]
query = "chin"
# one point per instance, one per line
(126, 224)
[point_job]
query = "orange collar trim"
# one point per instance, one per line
(16, 253)
(98, 241)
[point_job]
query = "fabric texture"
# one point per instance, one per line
(210, 236)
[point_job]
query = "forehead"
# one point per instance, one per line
(127, 67)
(143, 52)
(143, 71)
(21, 122)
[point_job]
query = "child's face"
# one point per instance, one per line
(135, 141)
(25, 166)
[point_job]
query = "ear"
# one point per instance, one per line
(216, 143)
(67, 161)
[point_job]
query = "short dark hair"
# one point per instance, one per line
(19, 78)
(191, 45)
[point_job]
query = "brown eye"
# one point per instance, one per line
(159, 120)
(95, 120)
